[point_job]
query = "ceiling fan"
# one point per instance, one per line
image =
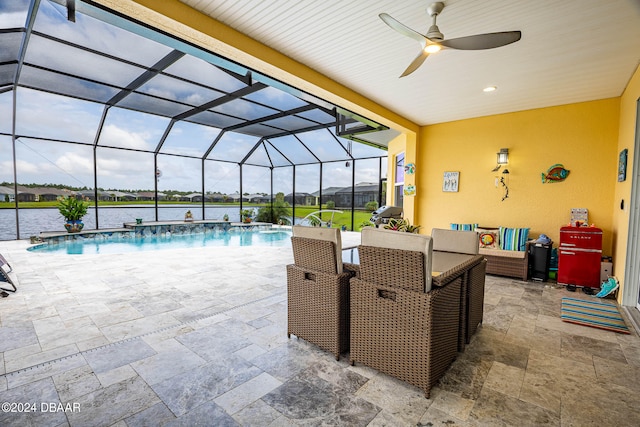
(434, 40)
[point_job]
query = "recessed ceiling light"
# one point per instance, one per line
(489, 88)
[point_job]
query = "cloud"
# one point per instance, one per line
(177, 90)
(114, 136)
(233, 146)
(27, 167)
(124, 169)
(41, 114)
(12, 18)
(50, 162)
(72, 162)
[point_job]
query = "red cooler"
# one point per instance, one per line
(579, 256)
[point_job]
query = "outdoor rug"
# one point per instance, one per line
(596, 314)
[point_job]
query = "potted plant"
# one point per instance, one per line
(245, 215)
(188, 216)
(73, 208)
(403, 225)
(225, 218)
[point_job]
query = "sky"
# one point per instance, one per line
(44, 119)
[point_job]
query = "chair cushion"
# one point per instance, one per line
(382, 238)
(322, 233)
(502, 254)
(462, 242)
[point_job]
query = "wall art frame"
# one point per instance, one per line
(622, 165)
(450, 181)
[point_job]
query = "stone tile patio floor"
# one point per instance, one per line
(198, 337)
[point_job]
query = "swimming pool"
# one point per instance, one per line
(118, 243)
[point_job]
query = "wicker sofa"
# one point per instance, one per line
(510, 260)
(507, 263)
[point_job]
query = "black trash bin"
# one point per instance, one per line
(539, 261)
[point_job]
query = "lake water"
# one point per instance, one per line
(34, 221)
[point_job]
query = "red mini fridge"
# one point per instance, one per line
(579, 256)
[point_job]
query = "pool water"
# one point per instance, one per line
(150, 243)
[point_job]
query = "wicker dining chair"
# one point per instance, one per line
(400, 325)
(456, 253)
(318, 289)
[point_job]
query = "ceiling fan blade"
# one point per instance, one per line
(483, 41)
(403, 29)
(416, 63)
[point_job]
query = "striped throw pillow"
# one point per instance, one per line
(463, 227)
(513, 239)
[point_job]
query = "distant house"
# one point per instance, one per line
(150, 195)
(26, 194)
(117, 196)
(258, 198)
(49, 194)
(304, 199)
(217, 197)
(193, 197)
(328, 195)
(363, 193)
(91, 195)
(235, 197)
(87, 194)
(44, 194)
(36, 194)
(264, 198)
(7, 194)
(146, 195)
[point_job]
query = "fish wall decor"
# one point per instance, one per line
(556, 173)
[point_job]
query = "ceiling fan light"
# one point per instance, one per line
(432, 48)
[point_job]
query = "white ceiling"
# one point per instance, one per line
(570, 51)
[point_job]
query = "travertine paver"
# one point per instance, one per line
(198, 336)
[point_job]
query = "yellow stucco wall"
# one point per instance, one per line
(404, 143)
(583, 137)
(626, 139)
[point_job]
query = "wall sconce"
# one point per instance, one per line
(503, 159)
(503, 156)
